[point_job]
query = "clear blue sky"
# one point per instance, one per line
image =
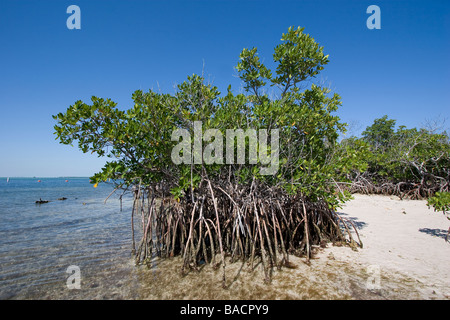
(402, 70)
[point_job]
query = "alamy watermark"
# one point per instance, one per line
(373, 282)
(74, 280)
(74, 20)
(374, 21)
(258, 150)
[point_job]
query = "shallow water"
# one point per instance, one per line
(38, 242)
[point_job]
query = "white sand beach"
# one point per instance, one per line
(404, 238)
(404, 256)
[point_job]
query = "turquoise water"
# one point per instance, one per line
(38, 242)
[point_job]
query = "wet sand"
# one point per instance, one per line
(404, 256)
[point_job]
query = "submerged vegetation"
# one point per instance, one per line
(207, 212)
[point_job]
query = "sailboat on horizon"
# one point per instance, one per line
(7, 180)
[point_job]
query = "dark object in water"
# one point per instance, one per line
(63, 198)
(41, 201)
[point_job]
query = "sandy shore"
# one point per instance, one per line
(404, 256)
(403, 238)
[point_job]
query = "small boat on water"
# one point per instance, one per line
(7, 180)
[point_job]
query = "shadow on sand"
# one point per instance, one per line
(440, 233)
(358, 223)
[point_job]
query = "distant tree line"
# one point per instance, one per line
(410, 163)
